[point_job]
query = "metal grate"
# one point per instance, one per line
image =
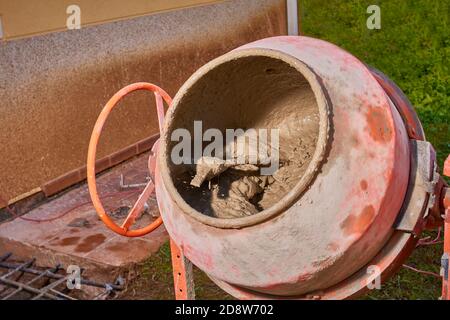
(25, 281)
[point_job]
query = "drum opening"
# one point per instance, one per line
(260, 119)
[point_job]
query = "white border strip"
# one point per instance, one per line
(292, 17)
(1, 28)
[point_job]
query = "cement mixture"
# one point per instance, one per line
(250, 92)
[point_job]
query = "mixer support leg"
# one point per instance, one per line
(183, 277)
(445, 257)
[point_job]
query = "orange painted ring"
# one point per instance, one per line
(92, 151)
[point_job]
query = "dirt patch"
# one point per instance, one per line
(90, 243)
(69, 241)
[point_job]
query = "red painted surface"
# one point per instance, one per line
(346, 216)
(183, 280)
(445, 280)
(322, 246)
(378, 124)
(138, 207)
(447, 167)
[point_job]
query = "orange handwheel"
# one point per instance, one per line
(124, 229)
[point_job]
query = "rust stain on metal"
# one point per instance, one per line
(378, 125)
(358, 223)
(404, 107)
(363, 185)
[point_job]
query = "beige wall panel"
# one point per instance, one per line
(24, 17)
(52, 87)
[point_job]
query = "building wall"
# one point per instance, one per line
(53, 86)
(22, 18)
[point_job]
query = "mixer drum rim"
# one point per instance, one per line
(306, 179)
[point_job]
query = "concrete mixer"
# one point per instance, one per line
(356, 184)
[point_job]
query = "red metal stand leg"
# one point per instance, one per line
(446, 255)
(445, 261)
(183, 277)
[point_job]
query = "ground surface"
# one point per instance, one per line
(67, 230)
(413, 49)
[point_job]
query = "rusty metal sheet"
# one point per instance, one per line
(53, 87)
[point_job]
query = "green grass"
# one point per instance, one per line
(413, 49)
(155, 281)
(407, 284)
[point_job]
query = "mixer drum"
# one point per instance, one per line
(335, 213)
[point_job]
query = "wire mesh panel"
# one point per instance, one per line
(26, 281)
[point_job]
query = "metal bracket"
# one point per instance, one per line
(292, 17)
(444, 266)
(444, 274)
(183, 276)
(422, 184)
(446, 255)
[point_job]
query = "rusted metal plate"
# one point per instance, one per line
(53, 87)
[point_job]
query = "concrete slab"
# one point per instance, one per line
(67, 230)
